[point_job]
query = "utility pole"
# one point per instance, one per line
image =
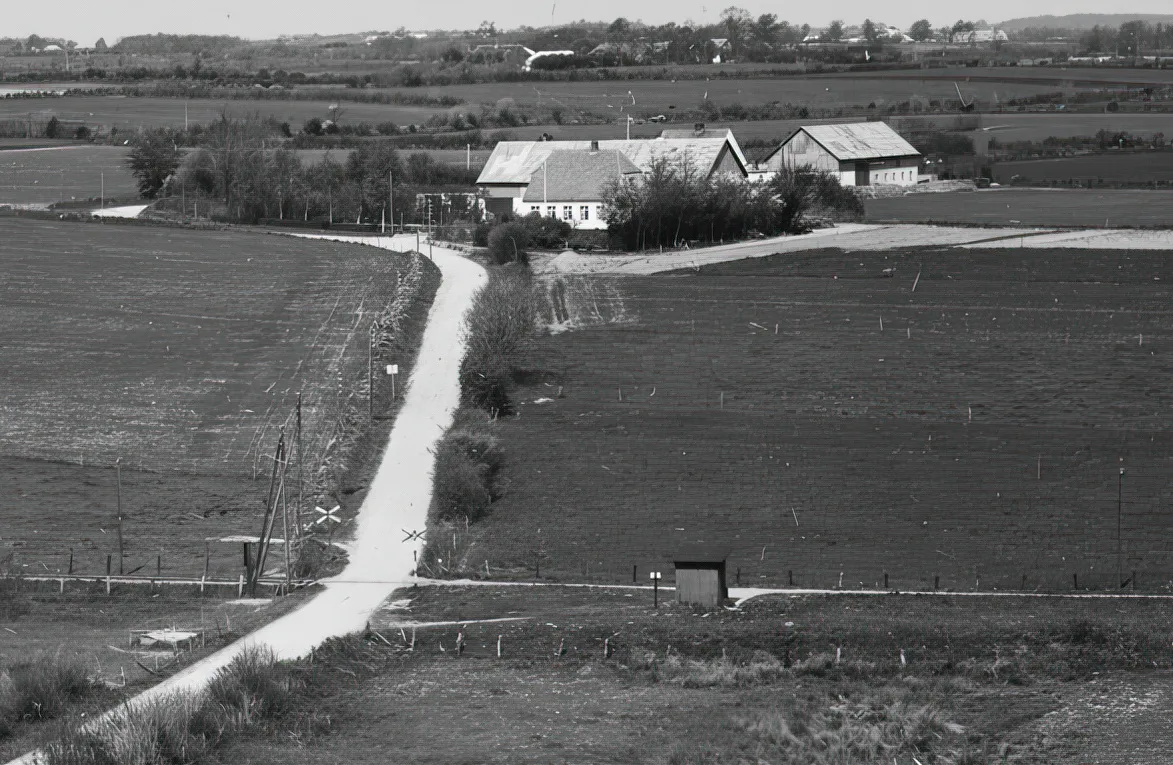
(300, 471)
(371, 373)
(1119, 514)
(118, 479)
(391, 198)
(103, 197)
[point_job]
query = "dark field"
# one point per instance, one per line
(180, 353)
(1030, 207)
(1139, 167)
(61, 174)
(977, 437)
(132, 113)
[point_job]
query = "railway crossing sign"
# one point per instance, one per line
(392, 369)
(328, 515)
(413, 536)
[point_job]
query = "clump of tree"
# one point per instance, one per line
(674, 204)
(236, 169)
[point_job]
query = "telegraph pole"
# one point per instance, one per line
(118, 479)
(391, 198)
(371, 373)
(1119, 514)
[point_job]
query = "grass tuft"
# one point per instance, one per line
(41, 688)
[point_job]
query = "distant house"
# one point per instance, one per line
(859, 154)
(980, 37)
(512, 170)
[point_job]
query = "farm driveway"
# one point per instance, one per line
(848, 236)
(399, 495)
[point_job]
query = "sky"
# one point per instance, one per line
(85, 20)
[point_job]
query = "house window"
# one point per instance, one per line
(584, 212)
(567, 212)
(535, 209)
(552, 211)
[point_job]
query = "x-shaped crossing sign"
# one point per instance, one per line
(413, 536)
(328, 515)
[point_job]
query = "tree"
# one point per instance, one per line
(921, 30)
(619, 26)
(100, 45)
(960, 26)
(53, 128)
(765, 29)
(871, 32)
(834, 32)
(312, 126)
(153, 158)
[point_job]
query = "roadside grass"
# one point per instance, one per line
(42, 688)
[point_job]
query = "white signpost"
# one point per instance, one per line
(393, 371)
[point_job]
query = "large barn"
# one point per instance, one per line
(566, 179)
(859, 154)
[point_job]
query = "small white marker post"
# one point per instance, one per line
(655, 576)
(393, 370)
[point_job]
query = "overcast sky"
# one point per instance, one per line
(85, 20)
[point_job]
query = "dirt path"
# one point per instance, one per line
(856, 237)
(398, 498)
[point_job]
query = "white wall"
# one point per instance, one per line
(593, 220)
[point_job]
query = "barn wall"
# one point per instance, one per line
(802, 151)
(698, 585)
(727, 164)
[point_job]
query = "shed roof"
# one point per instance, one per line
(701, 553)
(858, 140)
(514, 162)
(571, 175)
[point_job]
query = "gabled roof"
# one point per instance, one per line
(573, 175)
(858, 140)
(513, 163)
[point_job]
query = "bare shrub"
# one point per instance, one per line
(468, 459)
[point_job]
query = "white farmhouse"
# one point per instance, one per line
(520, 175)
(859, 154)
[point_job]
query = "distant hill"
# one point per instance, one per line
(1082, 20)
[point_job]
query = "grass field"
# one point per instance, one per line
(1116, 166)
(1029, 207)
(684, 686)
(760, 406)
(128, 113)
(180, 353)
(61, 174)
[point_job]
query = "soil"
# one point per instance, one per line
(1083, 208)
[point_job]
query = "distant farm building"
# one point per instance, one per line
(566, 179)
(859, 154)
(700, 576)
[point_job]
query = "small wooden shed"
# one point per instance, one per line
(700, 575)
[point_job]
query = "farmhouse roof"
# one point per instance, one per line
(577, 176)
(858, 140)
(701, 553)
(513, 163)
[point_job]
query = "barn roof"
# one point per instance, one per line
(858, 140)
(701, 552)
(514, 162)
(571, 175)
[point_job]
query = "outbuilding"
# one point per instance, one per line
(700, 575)
(858, 154)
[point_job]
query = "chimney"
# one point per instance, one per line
(594, 146)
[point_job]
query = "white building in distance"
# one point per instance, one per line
(859, 154)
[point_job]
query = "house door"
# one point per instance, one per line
(861, 174)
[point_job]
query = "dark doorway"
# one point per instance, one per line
(862, 177)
